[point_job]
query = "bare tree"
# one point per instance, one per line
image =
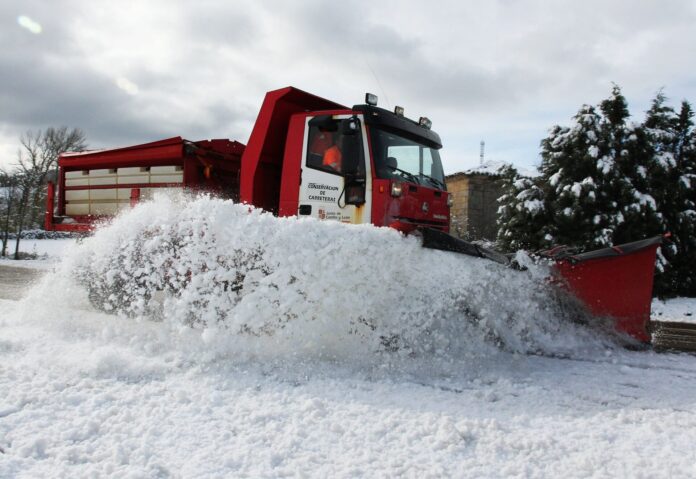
(38, 156)
(8, 200)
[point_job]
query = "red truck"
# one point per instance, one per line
(308, 156)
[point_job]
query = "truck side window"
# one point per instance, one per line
(323, 151)
(330, 150)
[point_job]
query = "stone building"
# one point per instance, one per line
(475, 191)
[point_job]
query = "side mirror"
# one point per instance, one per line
(351, 146)
(350, 126)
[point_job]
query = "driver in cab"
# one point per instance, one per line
(325, 146)
(333, 156)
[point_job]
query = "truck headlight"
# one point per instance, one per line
(396, 189)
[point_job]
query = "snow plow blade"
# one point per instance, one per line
(613, 282)
(435, 239)
(616, 282)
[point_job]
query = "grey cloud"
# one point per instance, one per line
(333, 34)
(35, 93)
(490, 62)
(221, 23)
(44, 84)
(342, 33)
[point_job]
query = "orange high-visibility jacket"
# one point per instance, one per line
(332, 158)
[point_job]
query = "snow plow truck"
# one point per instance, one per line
(308, 156)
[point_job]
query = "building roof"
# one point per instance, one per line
(494, 168)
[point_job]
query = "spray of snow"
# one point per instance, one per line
(216, 279)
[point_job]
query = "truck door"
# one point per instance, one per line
(336, 178)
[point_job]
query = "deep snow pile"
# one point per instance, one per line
(243, 283)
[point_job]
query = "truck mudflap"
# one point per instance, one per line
(613, 282)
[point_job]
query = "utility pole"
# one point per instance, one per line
(483, 146)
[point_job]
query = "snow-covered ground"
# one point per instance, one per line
(342, 352)
(48, 251)
(678, 309)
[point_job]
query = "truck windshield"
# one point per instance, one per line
(396, 156)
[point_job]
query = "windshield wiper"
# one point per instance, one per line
(435, 181)
(411, 176)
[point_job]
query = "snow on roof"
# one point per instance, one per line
(490, 167)
(494, 168)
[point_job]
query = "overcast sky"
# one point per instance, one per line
(501, 71)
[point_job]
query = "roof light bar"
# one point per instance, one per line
(425, 123)
(371, 99)
(399, 110)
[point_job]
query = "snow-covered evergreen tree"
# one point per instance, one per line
(672, 182)
(630, 209)
(684, 229)
(570, 170)
(522, 214)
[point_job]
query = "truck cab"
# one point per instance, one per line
(357, 165)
